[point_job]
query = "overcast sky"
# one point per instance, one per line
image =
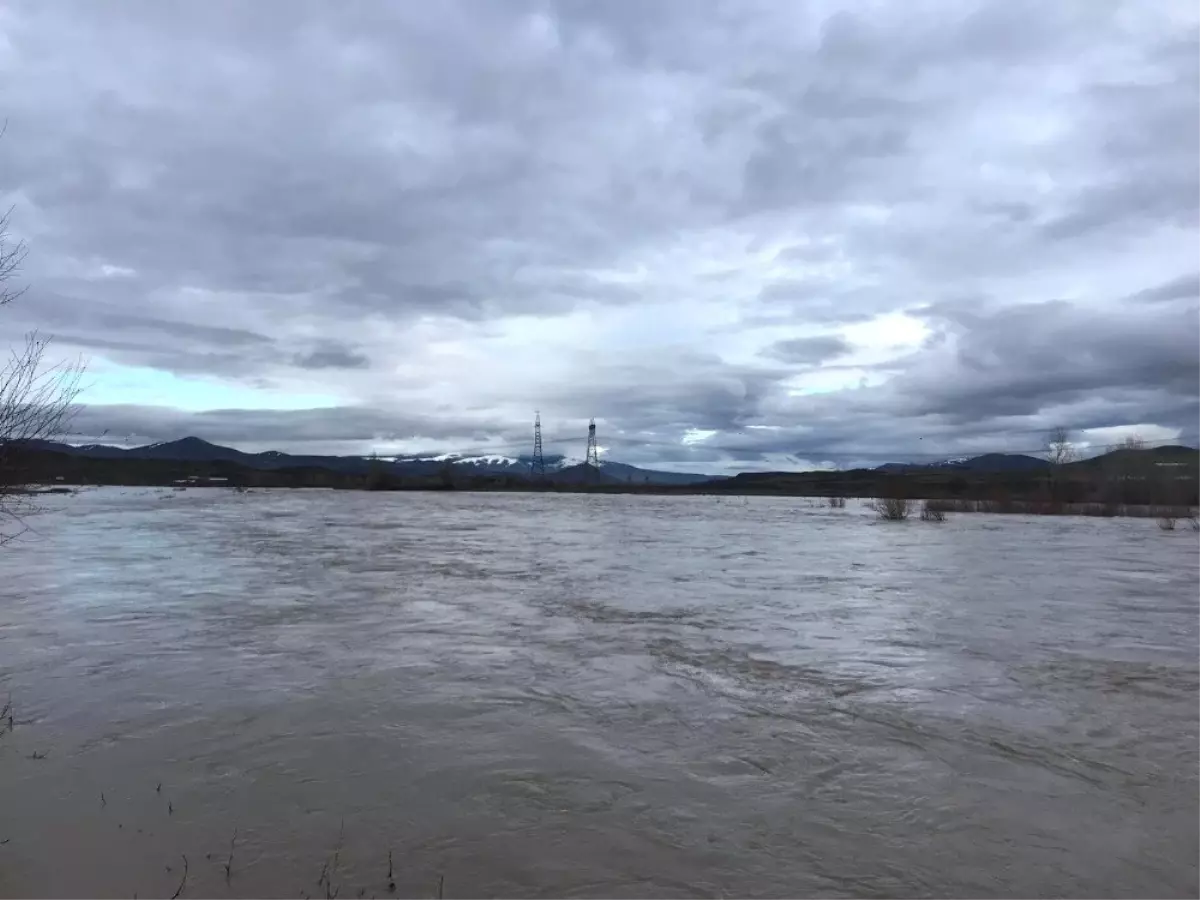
(741, 235)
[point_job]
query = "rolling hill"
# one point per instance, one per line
(988, 462)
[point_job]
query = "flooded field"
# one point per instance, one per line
(530, 695)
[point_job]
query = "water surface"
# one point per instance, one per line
(571, 695)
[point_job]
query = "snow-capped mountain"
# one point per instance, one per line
(458, 459)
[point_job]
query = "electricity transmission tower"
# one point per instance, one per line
(537, 468)
(593, 457)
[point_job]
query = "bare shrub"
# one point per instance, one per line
(36, 399)
(892, 509)
(1167, 517)
(932, 511)
(1195, 523)
(36, 403)
(837, 502)
(12, 255)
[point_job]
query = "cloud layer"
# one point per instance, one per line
(740, 235)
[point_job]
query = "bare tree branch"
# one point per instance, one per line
(12, 255)
(36, 399)
(1059, 449)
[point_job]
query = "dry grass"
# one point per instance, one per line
(892, 509)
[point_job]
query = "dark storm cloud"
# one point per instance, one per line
(277, 190)
(283, 428)
(105, 316)
(1185, 287)
(98, 326)
(672, 393)
(331, 355)
(1015, 360)
(809, 350)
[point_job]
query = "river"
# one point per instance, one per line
(601, 696)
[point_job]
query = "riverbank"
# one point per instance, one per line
(1122, 486)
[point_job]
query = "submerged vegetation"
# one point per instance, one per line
(898, 509)
(933, 511)
(892, 509)
(1008, 506)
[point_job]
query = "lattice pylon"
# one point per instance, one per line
(537, 468)
(593, 456)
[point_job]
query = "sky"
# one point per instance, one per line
(740, 235)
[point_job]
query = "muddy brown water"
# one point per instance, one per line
(523, 695)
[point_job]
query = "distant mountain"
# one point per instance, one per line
(558, 468)
(900, 467)
(988, 462)
(1171, 455)
(188, 449)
